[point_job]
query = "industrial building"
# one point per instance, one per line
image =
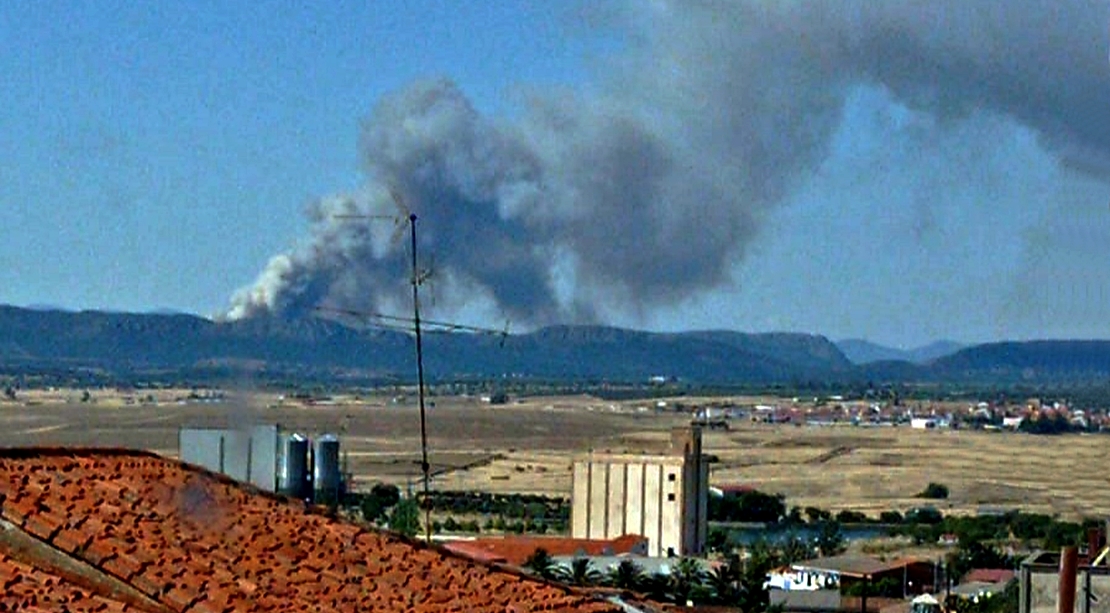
(662, 497)
(269, 458)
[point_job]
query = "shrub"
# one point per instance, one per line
(934, 491)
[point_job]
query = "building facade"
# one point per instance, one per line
(662, 497)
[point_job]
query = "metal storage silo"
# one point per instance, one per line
(326, 475)
(295, 477)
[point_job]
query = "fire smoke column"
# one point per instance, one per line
(648, 190)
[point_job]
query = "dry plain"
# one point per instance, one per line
(527, 446)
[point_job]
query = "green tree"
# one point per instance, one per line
(717, 540)
(627, 575)
(974, 554)
(794, 550)
(753, 506)
(794, 517)
(765, 554)
(541, 564)
(815, 515)
(582, 573)
(686, 576)
(923, 515)
(830, 541)
(657, 586)
(890, 517)
(405, 517)
(724, 581)
(753, 595)
(375, 504)
(1055, 423)
(1062, 533)
(934, 491)
(848, 516)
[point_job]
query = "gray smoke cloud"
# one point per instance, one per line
(650, 188)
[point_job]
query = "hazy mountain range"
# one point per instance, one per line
(861, 351)
(128, 344)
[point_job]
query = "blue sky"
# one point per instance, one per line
(156, 155)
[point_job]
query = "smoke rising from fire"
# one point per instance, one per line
(650, 188)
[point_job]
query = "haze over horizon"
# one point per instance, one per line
(903, 174)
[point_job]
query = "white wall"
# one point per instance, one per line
(250, 455)
(613, 496)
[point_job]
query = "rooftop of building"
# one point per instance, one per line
(123, 530)
(684, 443)
(516, 550)
(852, 565)
(989, 575)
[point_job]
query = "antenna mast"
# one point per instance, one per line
(392, 322)
(425, 467)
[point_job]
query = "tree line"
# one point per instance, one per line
(735, 582)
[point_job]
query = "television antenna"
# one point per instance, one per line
(397, 322)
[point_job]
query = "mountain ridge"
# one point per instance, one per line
(191, 345)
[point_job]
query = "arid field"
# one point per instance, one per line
(527, 446)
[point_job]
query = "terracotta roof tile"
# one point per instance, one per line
(516, 550)
(24, 587)
(989, 575)
(198, 542)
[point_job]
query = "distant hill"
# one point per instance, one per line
(861, 351)
(135, 343)
(1076, 362)
(188, 348)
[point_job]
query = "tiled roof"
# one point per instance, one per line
(989, 575)
(114, 530)
(516, 550)
(26, 588)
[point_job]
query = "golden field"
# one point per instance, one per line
(527, 446)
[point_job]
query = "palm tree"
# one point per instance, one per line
(540, 563)
(723, 581)
(627, 575)
(685, 578)
(657, 586)
(581, 573)
(753, 594)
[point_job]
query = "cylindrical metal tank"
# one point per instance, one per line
(295, 468)
(326, 474)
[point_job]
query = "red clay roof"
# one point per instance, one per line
(989, 575)
(183, 539)
(516, 550)
(26, 588)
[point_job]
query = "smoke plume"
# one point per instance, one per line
(650, 188)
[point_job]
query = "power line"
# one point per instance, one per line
(396, 323)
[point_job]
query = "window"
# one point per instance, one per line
(670, 477)
(670, 497)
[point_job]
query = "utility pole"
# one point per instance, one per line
(425, 467)
(394, 322)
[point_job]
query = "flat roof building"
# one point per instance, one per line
(662, 496)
